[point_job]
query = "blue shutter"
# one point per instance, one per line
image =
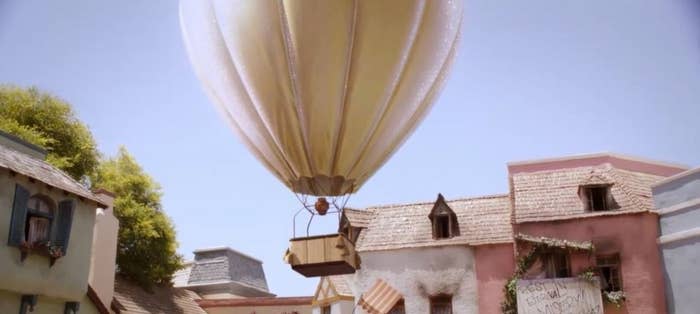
(64, 220)
(19, 216)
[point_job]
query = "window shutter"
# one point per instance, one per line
(63, 223)
(19, 215)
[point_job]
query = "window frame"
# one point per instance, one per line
(554, 258)
(326, 309)
(591, 201)
(442, 226)
(441, 299)
(616, 267)
(37, 213)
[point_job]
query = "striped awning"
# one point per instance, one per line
(380, 298)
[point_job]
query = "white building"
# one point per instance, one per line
(421, 258)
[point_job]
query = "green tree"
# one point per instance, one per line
(47, 121)
(147, 247)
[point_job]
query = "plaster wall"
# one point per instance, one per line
(633, 236)
(67, 279)
(680, 257)
(104, 257)
(683, 188)
(272, 309)
(339, 307)
(494, 266)
(418, 273)
(10, 302)
(681, 260)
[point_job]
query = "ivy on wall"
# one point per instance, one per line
(540, 245)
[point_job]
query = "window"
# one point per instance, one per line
(398, 308)
(442, 227)
(609, 267)
(37, 228)
(597, 198)
(37, 221)
(441, 304)
(556, 264)
(326, 309)
(443, 220)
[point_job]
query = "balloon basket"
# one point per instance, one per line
(321, 255)
(324, 255)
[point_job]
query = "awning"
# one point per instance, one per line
(380, 298)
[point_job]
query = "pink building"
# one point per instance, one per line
(596, 211)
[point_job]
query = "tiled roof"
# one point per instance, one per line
(358, 218)
(131, 299)
(554, 194)
(40, 170)
(341, 284)
(482, 220)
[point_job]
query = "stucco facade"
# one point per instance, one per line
(633, 237)
(494, 266)
(33, 275)
(10, 303)
(337, 307)
(259, 305)
(419, 273)
(677, 201)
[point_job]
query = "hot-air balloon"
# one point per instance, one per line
(322, 92)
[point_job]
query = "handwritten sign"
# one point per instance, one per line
(559, 296)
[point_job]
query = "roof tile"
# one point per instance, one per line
(482, 220)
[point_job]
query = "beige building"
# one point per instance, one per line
(333, 295)
(47, 228)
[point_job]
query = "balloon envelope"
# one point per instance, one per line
(322, 92)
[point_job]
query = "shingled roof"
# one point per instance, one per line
(42, 171)
(482, 220)
(341, 284)
(129, 298)
(554, 194)
(358, 218)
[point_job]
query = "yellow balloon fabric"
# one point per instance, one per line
(323, 92)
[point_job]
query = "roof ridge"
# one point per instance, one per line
(469, 198)
(599, 154)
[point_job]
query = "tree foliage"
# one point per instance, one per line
(49, 122)
(146, 251)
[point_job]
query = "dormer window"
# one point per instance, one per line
(444, 220)
(442, 227)
(597, 198)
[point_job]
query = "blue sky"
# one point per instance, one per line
(533, 79)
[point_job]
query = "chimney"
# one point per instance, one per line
(17, 144)
(104, 248)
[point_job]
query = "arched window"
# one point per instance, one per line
(40, 214)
